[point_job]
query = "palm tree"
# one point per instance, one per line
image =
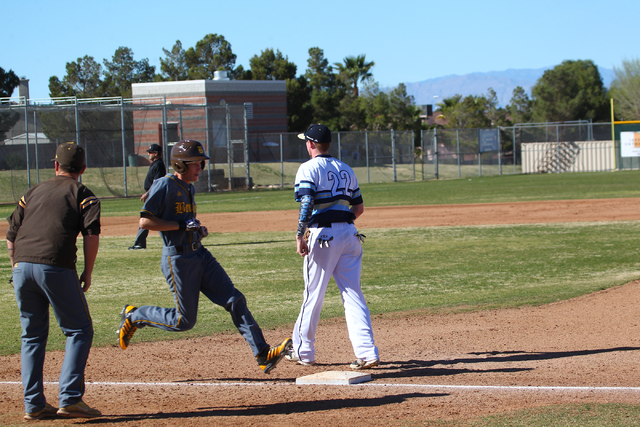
(355, 69)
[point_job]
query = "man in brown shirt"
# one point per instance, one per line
(42, 248)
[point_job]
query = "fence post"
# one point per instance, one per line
(422, 154)
(499, 153)
(281, 164)
(479, 154)
(339, 148)
(206, 117)
(124, 150)
(413, 138)
(229, 149)
(558, 148)
(458, 151)
(513, 149)
(35, 132)
(246, 148)
(393, 155)
(435, 151)
(167, 158)
(366, 149)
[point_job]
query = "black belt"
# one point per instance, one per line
(186, 248)
(327, 224)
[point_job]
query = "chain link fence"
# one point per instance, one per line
(527, 148)
(374, 156)
(116, 133)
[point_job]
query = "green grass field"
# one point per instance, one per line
(486, 189)
(443, 268)
(438, 269)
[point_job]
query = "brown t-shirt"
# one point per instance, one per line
(45, 224)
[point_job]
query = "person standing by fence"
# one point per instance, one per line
(156, 170)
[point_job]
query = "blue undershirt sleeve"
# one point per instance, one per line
(306, 208)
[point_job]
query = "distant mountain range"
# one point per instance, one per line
(503, 82)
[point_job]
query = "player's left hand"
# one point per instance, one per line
(301, 246)
(193, 225)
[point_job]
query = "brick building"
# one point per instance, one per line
(268, 99)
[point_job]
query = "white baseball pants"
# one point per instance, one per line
(342, 259)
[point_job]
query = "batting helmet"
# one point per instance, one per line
(187, 151)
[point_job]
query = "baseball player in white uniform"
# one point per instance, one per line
(330, 201)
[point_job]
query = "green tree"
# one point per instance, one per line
(8, 82)
(572, 90)
(377, 107)
(326, 89)
(405, 115)
(448, 106)
(352, 114)
(520, 106)
(212, 53)
(83, 80)
(123, 70)
(8, 119)
(241, 74)
(173, 67)
(355, 69)
(394, 109)
(299, 109)
(272, 65)
(465, 113)
(625, 90)
(496, 115)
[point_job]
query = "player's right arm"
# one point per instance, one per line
(306, 209)
(357, 210)
(15, 221)
(154, 223)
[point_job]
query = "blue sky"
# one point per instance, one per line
(409, 40)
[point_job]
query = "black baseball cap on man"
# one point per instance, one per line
(70, 155)
(154, 148)
(317, 133)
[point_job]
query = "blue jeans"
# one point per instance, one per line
(37, 286)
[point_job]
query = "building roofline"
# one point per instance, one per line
(206, 87)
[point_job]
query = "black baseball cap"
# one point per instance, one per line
(317, 133)
(154, 148)
(70, 155)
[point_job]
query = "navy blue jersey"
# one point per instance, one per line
(332, 184)
(156, 171)
(172, 199)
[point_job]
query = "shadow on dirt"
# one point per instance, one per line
(305, 406)
(427, 368)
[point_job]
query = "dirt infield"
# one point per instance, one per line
(434, 367)
(418, 216)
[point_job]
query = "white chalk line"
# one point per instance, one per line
(388, 385)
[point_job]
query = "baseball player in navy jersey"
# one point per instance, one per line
(188, 267)
(330, 201)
